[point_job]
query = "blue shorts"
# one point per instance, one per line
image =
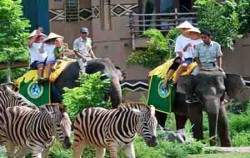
(36, 63)
(188, 61)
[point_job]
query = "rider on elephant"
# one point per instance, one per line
(181, 41)
(83, 48)
(208, 56)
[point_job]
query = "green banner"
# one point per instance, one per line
(162, 99)
(38, 94)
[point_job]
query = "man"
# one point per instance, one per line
(208, 54)
(83, 48)
(37, 59)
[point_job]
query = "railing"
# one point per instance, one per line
(164, 22)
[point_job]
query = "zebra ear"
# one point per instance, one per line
(152, 110)
(8, 86)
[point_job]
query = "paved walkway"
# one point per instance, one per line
(231, 149)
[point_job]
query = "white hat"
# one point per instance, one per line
(52, 36)
(184, 25)
(33, 33)
(194, 29)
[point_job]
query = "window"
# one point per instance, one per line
(72, 10)
(105, 14)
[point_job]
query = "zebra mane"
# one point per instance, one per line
(136, 105)
(50, 106)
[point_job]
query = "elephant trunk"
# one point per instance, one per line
(115, 93)
(212, 107)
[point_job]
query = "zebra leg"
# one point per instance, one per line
(22, 152)
(113, 151)
(10, 147)
(45, 153)
(78, 147)
(99, 152)
(129, 151)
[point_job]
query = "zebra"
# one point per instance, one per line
(10, 97)
(114, 129)
(35, 130)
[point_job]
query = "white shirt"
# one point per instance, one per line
(49, 49)
(190, 50)
(83, 46)
(180, 43)
(35, 54)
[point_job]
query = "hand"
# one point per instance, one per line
(39, 30)
(187, 46)
(220, 69)
(202, 68)
(84, 59)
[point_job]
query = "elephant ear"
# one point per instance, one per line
(234, 85)
(185, 84)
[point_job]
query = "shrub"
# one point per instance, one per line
(89, 94)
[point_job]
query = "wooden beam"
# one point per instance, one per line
(18, 64)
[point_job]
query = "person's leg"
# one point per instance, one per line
(176, 63)
(182, 69)
(49, 67)
(40, 67)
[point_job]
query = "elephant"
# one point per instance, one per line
(210, 89)
(68, 78)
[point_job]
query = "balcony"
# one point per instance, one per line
(164, 22)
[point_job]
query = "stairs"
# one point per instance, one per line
(72, 10)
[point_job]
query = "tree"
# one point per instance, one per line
(222, 20)
(13, 36)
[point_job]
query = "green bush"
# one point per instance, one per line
(159, 49)
(89, 94)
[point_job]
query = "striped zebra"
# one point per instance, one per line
(114, 129)
(35, 130)
(9, 97)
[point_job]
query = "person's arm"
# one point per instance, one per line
(219, 57)
(219, 62)
(33, 39)
(92, 54)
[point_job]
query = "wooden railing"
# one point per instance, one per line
(164, 22)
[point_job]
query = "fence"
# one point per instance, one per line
(164, 22)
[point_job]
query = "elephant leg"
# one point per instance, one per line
(195, 116)
(180, 121)
(223, 128)
(161, 118)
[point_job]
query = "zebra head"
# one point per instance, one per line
(61, 123)
(9, 96)
(148, 125)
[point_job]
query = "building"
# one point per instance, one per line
(110, 21)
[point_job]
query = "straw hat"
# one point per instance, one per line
(194, 29)
(33, 33)
(184, 25)
(52, 36)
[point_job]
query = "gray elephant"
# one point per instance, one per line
(68, 78)
(210, 88)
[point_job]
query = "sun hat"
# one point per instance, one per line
(33, 33)
(52, 35)
(194, 29)
(185, 25)
(84, 29)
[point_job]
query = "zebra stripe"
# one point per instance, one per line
(35, 130)
(114, 129)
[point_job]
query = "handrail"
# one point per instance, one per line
(164, 22)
